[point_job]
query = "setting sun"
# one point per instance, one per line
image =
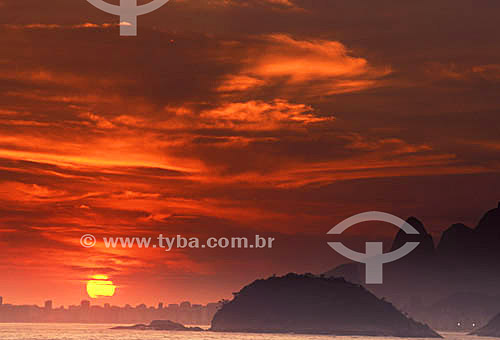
(100, 286)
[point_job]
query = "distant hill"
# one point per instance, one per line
(492, 329)
(308, 304)
(460, 275)
(461, 311)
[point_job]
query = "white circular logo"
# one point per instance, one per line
(128, 12)
(88, 241)
(374, 258)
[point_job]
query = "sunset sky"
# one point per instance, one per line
(234, 118)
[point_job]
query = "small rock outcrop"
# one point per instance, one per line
(161, 325)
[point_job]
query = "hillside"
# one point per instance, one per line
(312, 305)
(492, 329)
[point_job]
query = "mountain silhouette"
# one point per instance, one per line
(432, 279)
(308, 304)
(456, 240)
(423, 236)
(426, 246)
(488, 231)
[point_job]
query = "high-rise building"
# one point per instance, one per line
(186, 305)
(48, 305)
(85, 304)
(160, 305)
(1, 300)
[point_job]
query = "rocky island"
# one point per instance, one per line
(308, 304)
(160, 325)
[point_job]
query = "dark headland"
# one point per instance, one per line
(308, 304)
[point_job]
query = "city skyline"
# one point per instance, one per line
(88, 312)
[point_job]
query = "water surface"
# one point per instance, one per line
(24, 331)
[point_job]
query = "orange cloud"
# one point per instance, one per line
(29, 192)
(490, 72)
(274, 5)
(460, 72)
(258, 115)
(316, 67)
(38, 26)
(240, 83)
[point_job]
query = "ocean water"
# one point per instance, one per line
(23, 331)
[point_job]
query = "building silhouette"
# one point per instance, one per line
(185, 313)
(85, 304)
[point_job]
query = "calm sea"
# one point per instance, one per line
(22, 331)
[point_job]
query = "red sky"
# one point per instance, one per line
(235, 118)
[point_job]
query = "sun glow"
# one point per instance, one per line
(100, 286)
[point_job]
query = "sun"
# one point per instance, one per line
(100, 286)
